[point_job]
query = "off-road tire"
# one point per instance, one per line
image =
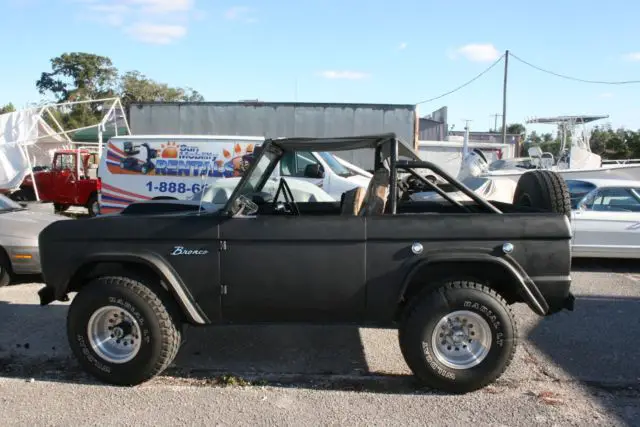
(93, 199)
(58, 208)
(543, 189)
(157, 317)
(421, 317)
(5, 269)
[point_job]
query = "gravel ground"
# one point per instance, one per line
(580, 368)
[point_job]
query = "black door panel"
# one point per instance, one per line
(286, 268)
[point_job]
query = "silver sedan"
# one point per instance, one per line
(19, 230)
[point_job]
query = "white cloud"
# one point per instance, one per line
(241, 13)
(163, 6)
(148, 21)
(346, 75)
(156, 34)
(606, 95)
(402, 46)
(632, 56)
(476, 52)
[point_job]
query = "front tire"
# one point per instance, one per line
(5, 269)
(459, 337)
(121, 332)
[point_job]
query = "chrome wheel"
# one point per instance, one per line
(461, 340)
(95, 208)
(114, 334)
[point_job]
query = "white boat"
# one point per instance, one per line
(576, 162)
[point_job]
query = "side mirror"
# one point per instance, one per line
(313, 171)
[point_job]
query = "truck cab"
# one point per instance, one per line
(324, 170)
(71, 181)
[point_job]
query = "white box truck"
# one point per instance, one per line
(145, 167)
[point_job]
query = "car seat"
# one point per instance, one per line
(351, 201)
(375, 199)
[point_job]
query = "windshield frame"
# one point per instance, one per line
(330, 160)
(255, 177)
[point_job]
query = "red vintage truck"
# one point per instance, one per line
(71, 181)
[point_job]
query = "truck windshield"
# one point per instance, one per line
(335, 165)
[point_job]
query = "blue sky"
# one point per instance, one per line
(377, 51)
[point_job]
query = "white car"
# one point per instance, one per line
(19, 230)
(605, 218)
(303, 191)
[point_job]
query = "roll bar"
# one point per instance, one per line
(396, 164)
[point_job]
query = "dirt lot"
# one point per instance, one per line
(580, 368)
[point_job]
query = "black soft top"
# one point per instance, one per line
(344, 143)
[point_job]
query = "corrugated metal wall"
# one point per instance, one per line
(278, 120)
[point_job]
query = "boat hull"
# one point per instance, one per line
(631, 172)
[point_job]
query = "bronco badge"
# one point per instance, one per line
(180, 250)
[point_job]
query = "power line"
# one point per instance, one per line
(575, 78)
(465, 84)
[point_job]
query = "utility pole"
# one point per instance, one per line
(504, 101)
(495, 121)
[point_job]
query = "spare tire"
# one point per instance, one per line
(545, 190)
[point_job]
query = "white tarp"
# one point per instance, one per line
(24, 133)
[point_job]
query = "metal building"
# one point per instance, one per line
(434, 126)
(279, 119)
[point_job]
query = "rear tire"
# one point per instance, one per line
(92, 206)
(59, 208)
(458, 338)
(112, 307)
(543, 189)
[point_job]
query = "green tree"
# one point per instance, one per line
(633, 144)
(136, 87)
(516, 129)
(7, 108)
(614, 144)
(79, 76)
(552, 147)
(533, 138)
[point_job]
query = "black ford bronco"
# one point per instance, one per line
(443, 272)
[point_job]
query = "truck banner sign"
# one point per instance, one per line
(172, 159)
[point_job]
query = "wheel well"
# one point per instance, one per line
(489, 274)
(134, 270)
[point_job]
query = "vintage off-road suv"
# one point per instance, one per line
(444, 273)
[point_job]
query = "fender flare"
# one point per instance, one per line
(532, 295)
(165, 271)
